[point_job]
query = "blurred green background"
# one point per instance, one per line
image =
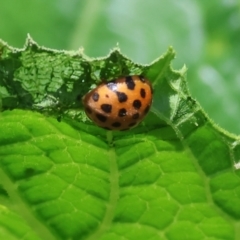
(205, 35)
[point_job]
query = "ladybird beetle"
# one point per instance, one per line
(119, 104)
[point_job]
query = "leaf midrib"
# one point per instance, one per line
(113, 198)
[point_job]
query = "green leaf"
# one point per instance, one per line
(175, 176)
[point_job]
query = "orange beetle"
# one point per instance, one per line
(119, 104)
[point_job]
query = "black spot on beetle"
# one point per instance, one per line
(95, 97)
(116, 124)
(107, 108)
(143, 93)
(122, 112)
(130, 83)
(137, 104)
(101, 117)
(135, 116)
(122, 97)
